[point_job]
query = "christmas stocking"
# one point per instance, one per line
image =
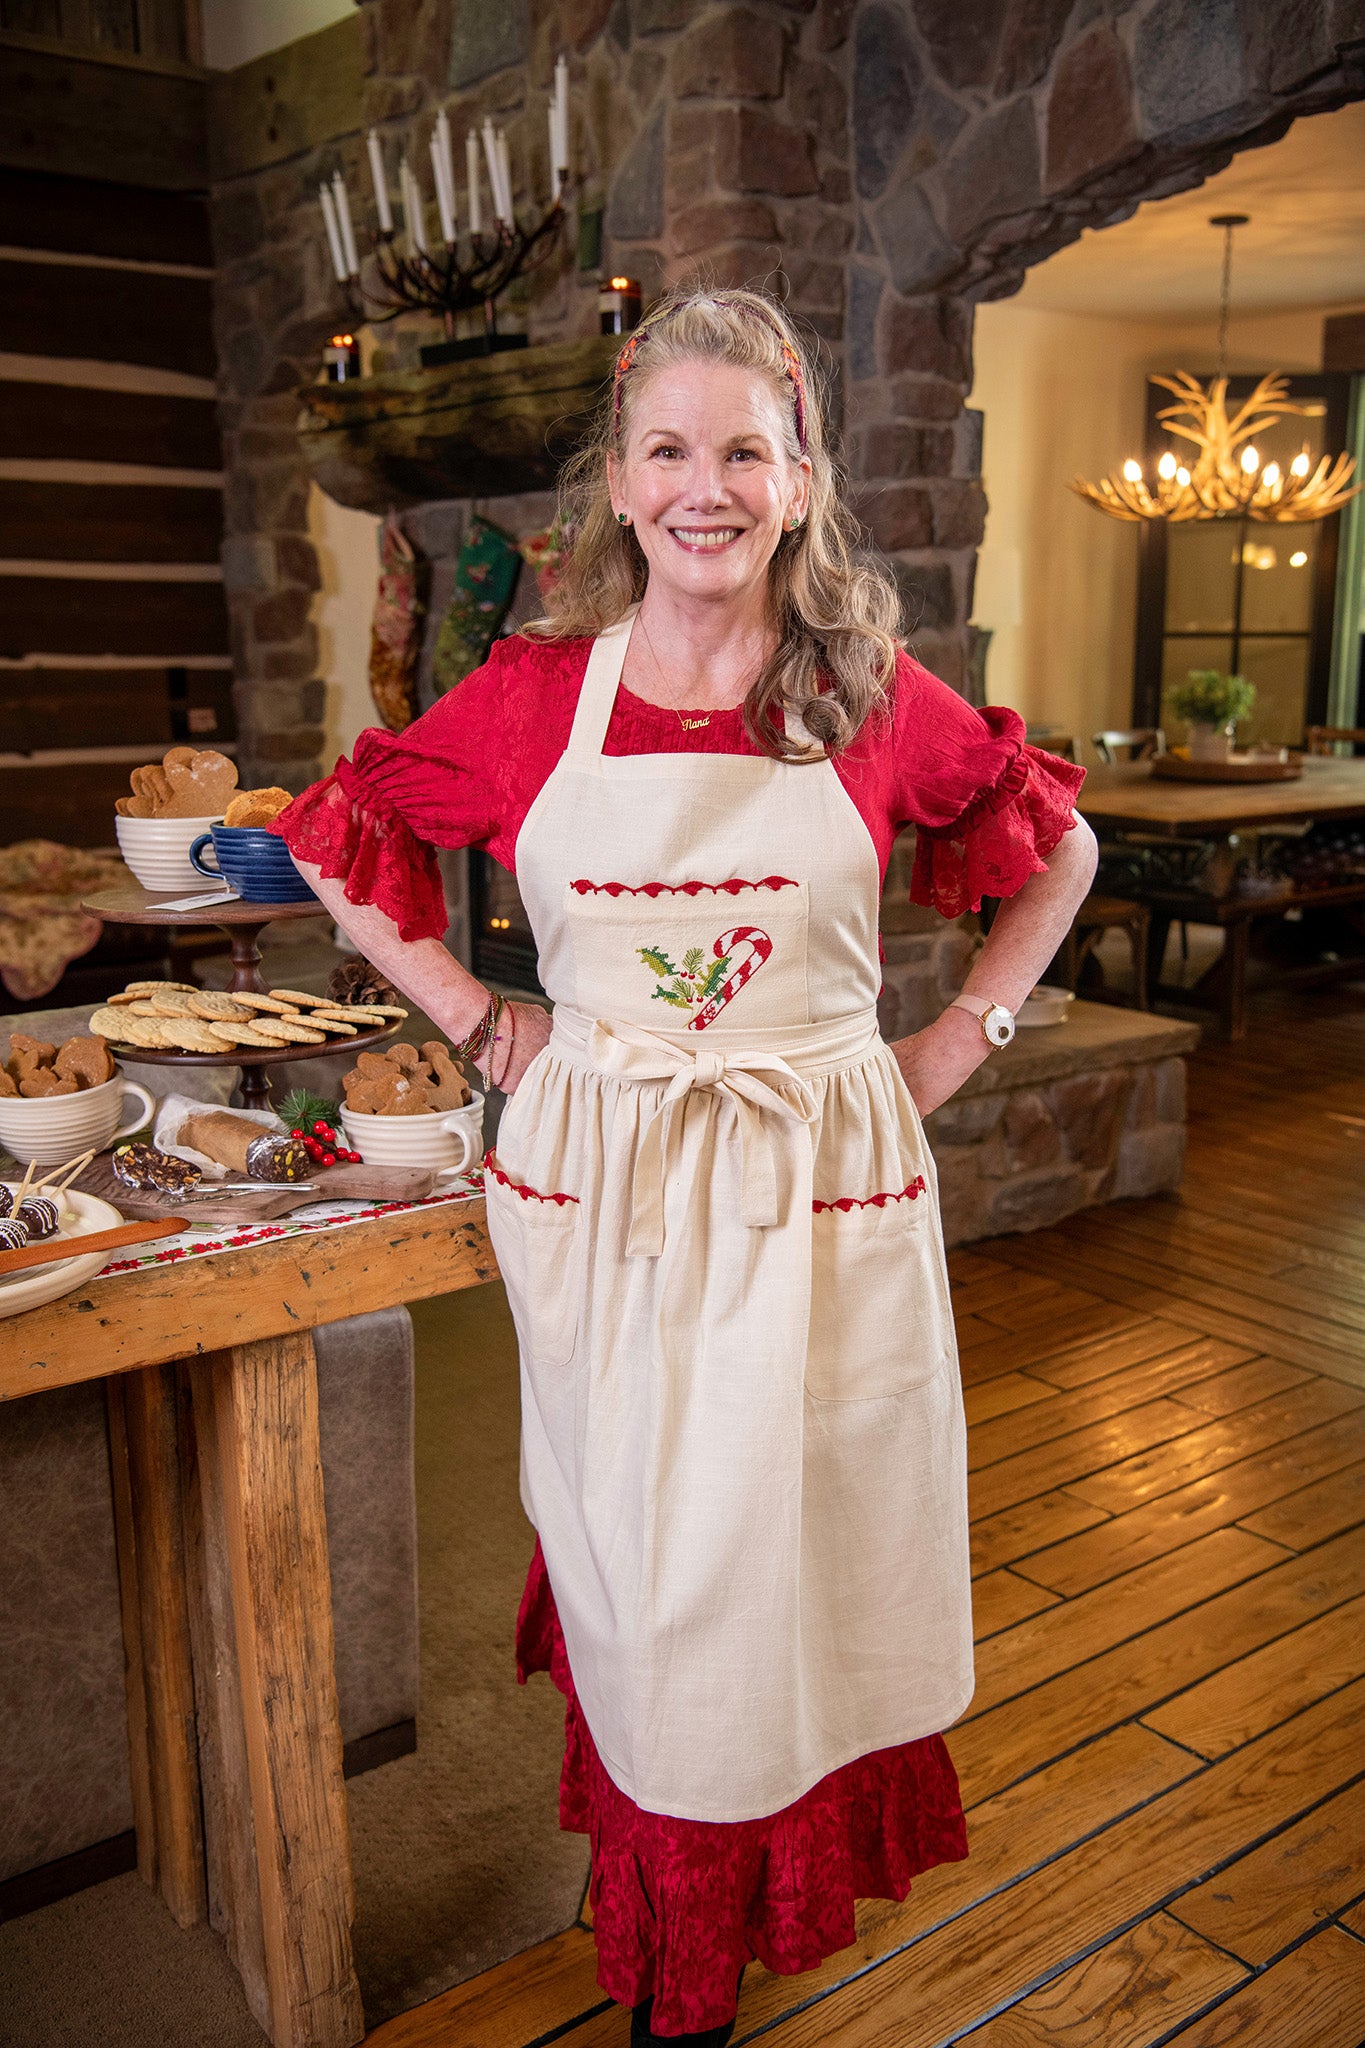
(486, 571)
(396, 632)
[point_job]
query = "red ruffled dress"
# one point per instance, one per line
(680, 1905)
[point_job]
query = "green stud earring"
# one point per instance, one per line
(621, 519)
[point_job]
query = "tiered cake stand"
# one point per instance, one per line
(243, 923)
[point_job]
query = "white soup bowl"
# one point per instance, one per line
(447, 1139)
(53, 1128)
(158, 851)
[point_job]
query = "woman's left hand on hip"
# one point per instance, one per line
(936, 1061)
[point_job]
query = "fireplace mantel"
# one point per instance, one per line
(493, 426)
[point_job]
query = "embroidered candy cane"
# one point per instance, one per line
(758, 945)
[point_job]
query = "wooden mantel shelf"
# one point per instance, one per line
(489, 427)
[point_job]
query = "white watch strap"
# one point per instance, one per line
(978, 1006)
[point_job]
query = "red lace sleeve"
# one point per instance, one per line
(987, 808)
(383, 860)
(379, 817)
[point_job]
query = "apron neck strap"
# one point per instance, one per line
(598, 695)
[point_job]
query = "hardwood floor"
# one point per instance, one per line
(1163, 1762)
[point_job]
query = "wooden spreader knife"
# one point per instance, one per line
(95, 1241)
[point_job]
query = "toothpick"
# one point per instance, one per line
(23, 1188)
(76, 1166)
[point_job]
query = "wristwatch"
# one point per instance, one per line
(997, 1023)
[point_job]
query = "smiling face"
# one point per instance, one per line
(705, 478)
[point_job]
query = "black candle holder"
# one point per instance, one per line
(428, 282)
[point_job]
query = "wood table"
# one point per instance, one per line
(1126, 802)
(234, 1739)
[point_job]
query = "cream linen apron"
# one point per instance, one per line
(713, 1205)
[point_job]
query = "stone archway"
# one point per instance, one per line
(986, 138)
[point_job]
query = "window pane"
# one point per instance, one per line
(1279, 669)
(1180, 656)
(1201, 576)
(1277, 579)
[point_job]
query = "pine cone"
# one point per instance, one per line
(356, 981)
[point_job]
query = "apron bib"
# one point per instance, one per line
(716, 1215)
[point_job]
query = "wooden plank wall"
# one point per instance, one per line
(113, 628)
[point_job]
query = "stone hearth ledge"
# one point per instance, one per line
(1068, 1116)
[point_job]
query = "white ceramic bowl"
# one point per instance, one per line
(449, 1140)
(54, 1128)
(1045, 1006)
(158, 851)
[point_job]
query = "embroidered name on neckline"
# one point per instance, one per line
(732, 888)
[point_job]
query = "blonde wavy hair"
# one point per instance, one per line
(837, 613)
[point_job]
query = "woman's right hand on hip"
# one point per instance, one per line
(532, 1035)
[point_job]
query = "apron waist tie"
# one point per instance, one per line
(760, 1085)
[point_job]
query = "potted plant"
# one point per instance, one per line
(1212, 705)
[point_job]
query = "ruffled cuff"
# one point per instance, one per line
(383, 860)
(1002, 837)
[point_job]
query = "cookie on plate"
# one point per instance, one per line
(301, 1000)
(188, 1033)
(215, 1006)
(240, 1034)
(268, 1005)
(289, 1032)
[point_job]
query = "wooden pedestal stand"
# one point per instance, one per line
(243, 923)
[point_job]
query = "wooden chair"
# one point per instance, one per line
(1135, 743)
(1324, 739)
(1096, 916)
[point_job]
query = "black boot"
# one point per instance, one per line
(641, 2037)
(710, 2037)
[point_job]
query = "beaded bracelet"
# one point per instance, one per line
(481, 1037)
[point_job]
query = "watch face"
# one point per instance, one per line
(998, 1025)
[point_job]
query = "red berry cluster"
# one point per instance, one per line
(322, 1146)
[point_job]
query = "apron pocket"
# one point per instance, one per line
(880, 1313)
(536, 1240)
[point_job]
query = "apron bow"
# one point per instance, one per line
(759, 1085)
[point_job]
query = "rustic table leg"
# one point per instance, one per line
(1237, 954)
(162, 1744)
(265, 1549)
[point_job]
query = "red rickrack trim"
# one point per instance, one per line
(916, 1188)
(733, 888)
(490, 1162)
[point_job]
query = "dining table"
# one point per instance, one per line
(234, 1738)
(1186, 846)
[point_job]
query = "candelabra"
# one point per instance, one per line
(448, 282)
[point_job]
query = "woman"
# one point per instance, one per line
(712, 1200)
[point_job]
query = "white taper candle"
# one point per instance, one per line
(471, 170)
(343, 207)
(412, 211)
(490, 150)
(505, 174)
(329, 221)
(381, 188)
(445, 199)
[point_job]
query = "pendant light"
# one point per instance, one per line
(1222, 476)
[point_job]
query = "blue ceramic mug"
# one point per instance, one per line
(254, 862)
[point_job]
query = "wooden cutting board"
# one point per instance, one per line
(330, 1184)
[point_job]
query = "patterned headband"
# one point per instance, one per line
(791, 362)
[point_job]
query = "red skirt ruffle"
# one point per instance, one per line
(679, 1906)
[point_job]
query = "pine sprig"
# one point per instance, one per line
(302, 1109)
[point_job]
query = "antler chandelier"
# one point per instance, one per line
(1224, 477)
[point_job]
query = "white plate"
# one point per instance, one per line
(1051, 1006)
(85, 1214)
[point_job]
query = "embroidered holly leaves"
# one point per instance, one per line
(689, 986)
